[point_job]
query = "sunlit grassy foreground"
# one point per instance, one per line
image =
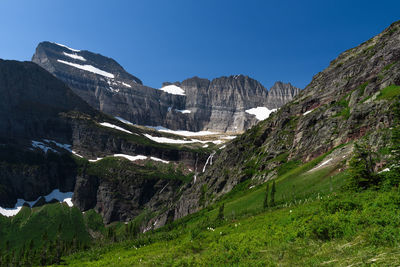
(313, 223)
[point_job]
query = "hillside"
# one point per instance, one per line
(316, 183)
(349, 101)
(53, 144)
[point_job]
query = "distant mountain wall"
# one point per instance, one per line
(194, 104)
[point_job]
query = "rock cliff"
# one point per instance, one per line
(195, 104)
(42, 122)
(351, 99)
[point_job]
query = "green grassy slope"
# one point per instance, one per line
(31, 224)
(338, 228)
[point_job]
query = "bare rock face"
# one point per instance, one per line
(343, 103)
(218, 105)
(281, 93)
(35, 107)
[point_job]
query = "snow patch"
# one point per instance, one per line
(125, 84)
(131, 158)
(309, 111)
(181, 132)
(323, 164)
(63, 146)
(106, 124)
(89, 68)
(222, 147)
(185, 111)
(384, 170)
(76, 154)
(261, 113)
(55, 194)
(124, 121)
(173, 89)
(74, 50)
(160, 160)
(74, 56)
(42, 146)
(94, 160)
(168, 140)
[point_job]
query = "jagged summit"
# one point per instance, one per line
(217, 105)
(56, 56)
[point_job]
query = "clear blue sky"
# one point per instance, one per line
(171, 40)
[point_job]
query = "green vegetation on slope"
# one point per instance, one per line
(120, 168)
(314, 222)
(389, 93)
(340, 229)
(41, 235)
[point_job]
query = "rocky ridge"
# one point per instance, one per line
(344, 103)
(217, 105)
(42, 121)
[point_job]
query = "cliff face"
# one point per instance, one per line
(351, 99)
(42, 121)
(281, 93)
(198, 104)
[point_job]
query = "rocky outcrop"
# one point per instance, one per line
(347, 101)
(218, 105)
(281, 93)
(42, 120)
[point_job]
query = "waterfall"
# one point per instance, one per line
(195, 171)
(209, 159)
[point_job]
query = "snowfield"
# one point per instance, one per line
(94, 160)
(74, 56)
(89, 68)
(125, 84)
(181, 132)
(307, 112)
(42, 146)
(124, 121)
(160, 160)
(76, 154)
(63, 146)
(168, 140)
(55, 194)
(109, 125)
(185, 111)
(74, 50)
(173, 89)
(261, 113)
(131, 158)
(321, 165)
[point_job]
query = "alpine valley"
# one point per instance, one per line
(98, 169)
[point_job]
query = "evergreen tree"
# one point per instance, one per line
(392, 178)
(266, 197)
(361, 169)
(221, 212)
(395, 149)
(273, 190)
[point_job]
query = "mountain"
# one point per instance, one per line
(350, 101)
(315, 184)
(53, 144)
(194, 104)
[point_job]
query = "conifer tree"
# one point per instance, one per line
(361, 169)
(266, 197)
(273, 190)
(221, 212)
